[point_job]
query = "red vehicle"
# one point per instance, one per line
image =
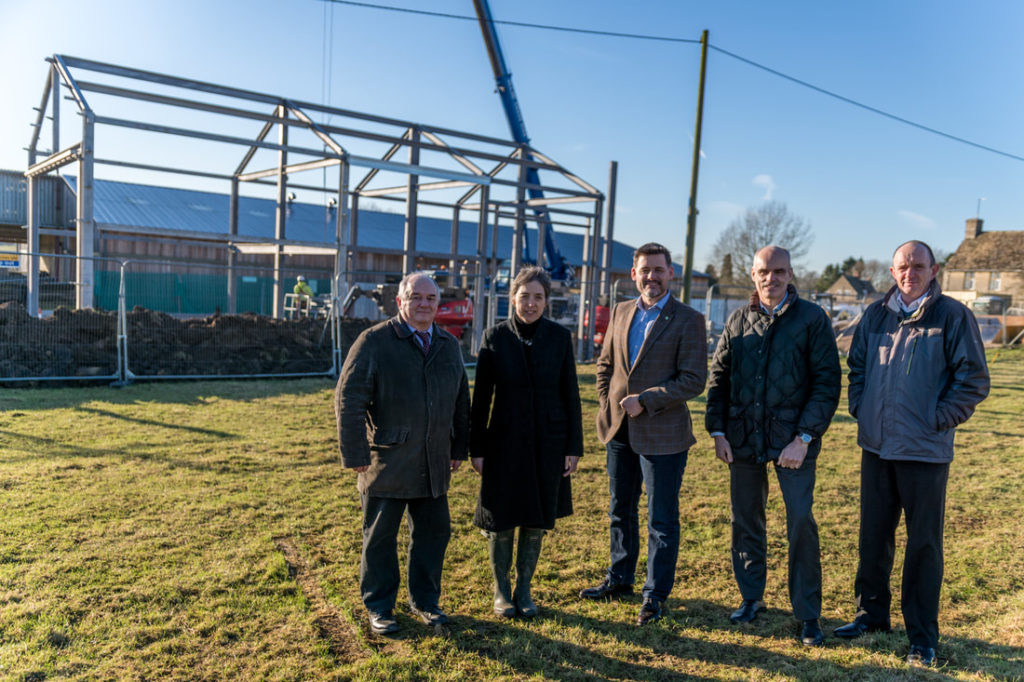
(602, 314)
(455, 316)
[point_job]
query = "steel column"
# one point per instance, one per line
(85, 235)
(232, 232)
(453, 262)
(411, 201)
(518, 232)
(281, 214)
(343, 276)
(609, 230)
(32, 276)
(481, 262)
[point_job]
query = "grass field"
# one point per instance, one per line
(208, 531)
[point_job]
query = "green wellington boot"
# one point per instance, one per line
(526, 564)
(499, 546)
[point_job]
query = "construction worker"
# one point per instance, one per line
(303, 295)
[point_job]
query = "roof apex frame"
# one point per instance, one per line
(59, 62)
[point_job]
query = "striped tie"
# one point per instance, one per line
(424, 340)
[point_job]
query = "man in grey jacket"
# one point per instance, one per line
(917, 371)
(402, 405)
(774, 386)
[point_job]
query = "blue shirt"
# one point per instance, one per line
(643, 320)
(775, 311)
(415, 331)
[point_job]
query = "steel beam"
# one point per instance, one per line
(37, 127)
(55, 161)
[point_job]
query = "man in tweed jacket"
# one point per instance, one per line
(653, 360)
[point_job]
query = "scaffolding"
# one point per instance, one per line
(463, 172)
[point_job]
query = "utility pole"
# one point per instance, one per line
(691, 218)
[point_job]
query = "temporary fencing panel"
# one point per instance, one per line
(57, 342)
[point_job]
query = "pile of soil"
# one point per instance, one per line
(83, 343)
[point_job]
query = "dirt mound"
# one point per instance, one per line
(84, 343)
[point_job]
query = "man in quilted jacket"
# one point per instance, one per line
(774, 386)
(917, 371)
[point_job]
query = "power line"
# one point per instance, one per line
(669, 39)
(521, 24)
(866, 107)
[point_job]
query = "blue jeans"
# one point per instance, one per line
(661, 475)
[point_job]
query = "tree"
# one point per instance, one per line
(831, 273)
(725, 274)
(712, 274)
(769, 223)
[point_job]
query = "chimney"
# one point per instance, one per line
(973, 228)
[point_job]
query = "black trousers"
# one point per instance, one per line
(748, 489)
(429, 531)
(918, 489)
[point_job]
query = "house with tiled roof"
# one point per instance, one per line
(850, 289)
(986, 264)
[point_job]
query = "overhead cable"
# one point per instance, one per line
(669, 39)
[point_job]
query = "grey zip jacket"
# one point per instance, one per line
(914, 379)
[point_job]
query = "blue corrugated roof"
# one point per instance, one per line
(130, 204)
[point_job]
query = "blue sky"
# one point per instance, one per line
(864, 182)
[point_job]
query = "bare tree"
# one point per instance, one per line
(770, 222)
(877, 273)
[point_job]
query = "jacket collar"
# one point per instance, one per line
(791, 296)
(892, 304)
(402, 330)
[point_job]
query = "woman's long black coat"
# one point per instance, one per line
(525, 421)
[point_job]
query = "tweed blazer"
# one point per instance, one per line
(671, 368)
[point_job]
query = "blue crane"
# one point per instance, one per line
(556, 265)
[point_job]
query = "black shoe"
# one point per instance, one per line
(431, 616)
(607, 589)
(811, 634)
(858, 627)
(923, 656)
(747, 611)
(649, 612)
(383, 623)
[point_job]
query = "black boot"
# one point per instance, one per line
(499, 548)
(526, 564)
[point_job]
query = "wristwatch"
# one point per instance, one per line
(806, 438)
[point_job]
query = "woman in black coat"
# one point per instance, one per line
(526, 436)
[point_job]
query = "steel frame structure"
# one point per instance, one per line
(490, 193)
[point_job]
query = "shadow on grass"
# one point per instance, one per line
(151, 422)
(532, 653)
(184, 392)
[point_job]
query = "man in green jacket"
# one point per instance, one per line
(774, 386)
(402, 405)
(917, 371)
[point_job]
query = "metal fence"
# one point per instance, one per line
(56, 342)
(161, 320)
